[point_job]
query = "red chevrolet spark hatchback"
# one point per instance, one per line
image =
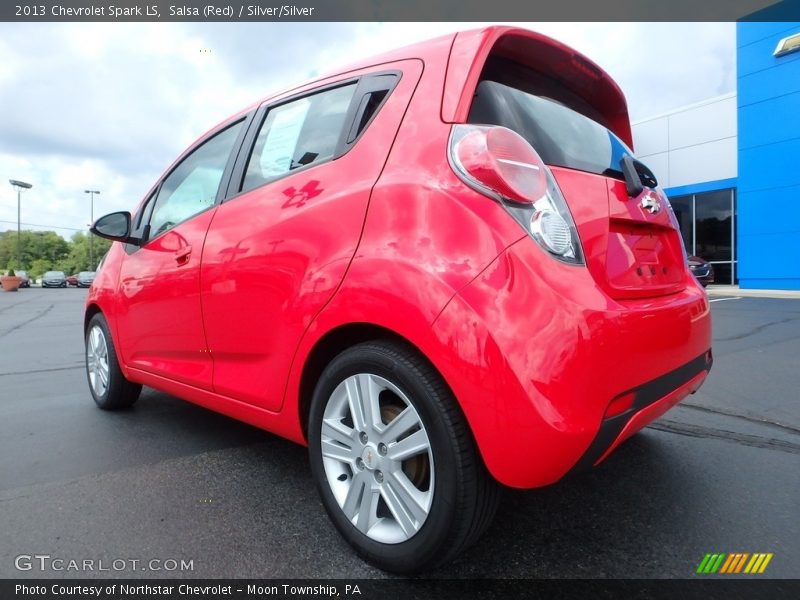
(442, 269)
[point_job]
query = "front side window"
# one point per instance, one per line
(297, 134)
(192, 186)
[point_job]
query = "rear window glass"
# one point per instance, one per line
(561, 136)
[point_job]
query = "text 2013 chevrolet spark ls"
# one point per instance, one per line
(441, 269)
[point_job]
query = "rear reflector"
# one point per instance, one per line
(620, 404)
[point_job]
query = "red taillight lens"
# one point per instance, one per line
(502, 161)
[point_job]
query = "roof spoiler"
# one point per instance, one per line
(584, 78)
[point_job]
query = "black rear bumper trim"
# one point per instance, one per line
(644, 395)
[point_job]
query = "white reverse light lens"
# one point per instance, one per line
(552, 231)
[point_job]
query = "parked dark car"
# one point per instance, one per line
(85, 278)
(26, 280)
(73, 280)
(702, 270)
(54, 279)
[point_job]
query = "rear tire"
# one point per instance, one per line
(394, 460)
(107, 384)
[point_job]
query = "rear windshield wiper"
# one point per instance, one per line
(637, 176)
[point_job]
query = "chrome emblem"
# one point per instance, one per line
(651, 204)
(369, 457)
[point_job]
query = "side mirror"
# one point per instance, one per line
(115, 226)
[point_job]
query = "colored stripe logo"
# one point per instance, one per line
(737, 562)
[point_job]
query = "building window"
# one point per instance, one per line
(682, 206)
(707, 222)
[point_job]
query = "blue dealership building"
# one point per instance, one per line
(731, 165)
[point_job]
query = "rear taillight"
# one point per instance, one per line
(502, 165)
(501, 160)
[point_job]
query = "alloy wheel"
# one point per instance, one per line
(97, 361)
(377, 458)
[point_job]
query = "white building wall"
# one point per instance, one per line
(693, 144)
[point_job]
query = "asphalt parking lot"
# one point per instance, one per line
(170, 481)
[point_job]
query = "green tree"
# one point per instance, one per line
(81, 251)
(39, 267)
(47, 245)
(46, 251)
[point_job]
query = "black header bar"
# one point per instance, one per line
(700, 588)
(396, 10)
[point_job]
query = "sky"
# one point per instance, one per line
(108, 106)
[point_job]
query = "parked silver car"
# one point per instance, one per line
(54, 279)
(85, 278)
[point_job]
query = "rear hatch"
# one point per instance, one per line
(630, 240)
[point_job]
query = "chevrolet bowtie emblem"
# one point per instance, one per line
(650, 204)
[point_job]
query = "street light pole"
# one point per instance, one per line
(20, 185)
(91, 235)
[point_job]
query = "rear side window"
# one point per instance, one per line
(561, 136)
(299, 133)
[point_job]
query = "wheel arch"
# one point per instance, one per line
(93, 307)
(333, 343)
(91, 310)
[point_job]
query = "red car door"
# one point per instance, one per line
(277, 250)
(159, 323)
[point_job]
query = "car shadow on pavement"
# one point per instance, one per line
(605, 522)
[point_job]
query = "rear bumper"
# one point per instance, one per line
(650, 401)
(536, 352)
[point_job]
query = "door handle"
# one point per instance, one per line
(182, 255)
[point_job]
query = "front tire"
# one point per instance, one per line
(107, 384)
(394, 460)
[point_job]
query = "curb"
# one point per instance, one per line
(733, 290)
